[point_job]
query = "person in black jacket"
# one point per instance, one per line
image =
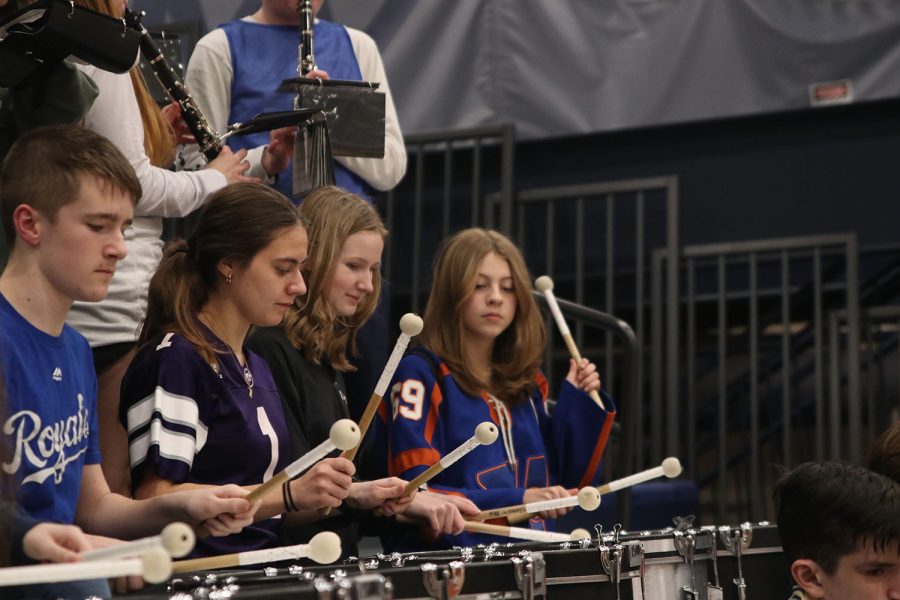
(308, 356)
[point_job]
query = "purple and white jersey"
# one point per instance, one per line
(191, 422)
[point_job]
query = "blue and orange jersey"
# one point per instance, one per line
(426, 415)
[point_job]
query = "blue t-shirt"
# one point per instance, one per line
(191, 422)
(50, 427)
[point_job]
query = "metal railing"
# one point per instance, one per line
(594, 239)
(755, 347)
(626, 393)
(879, 363)
(463, 164)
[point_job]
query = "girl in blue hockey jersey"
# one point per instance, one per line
(478, 361)
(199, 407)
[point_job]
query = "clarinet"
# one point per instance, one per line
(306, 61)
(209, 141)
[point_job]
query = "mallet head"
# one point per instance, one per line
(411, 324)
(325, 547)
(543, 283)
(156, 565)
(486, 433)
(580, 534)
(671, 467)
(344, 434)
(588, 498)
(178, 539)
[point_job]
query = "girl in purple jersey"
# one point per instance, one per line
(200, 409)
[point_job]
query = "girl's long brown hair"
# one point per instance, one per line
(159, 139)
(237, 222)
(332, 215)
(517, 351)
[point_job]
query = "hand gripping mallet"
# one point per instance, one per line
(344, 434)
(410, 325)
(485, 434)
(545, 285)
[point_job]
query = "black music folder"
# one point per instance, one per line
(354, 111)
(43, 33)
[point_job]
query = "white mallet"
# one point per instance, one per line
(176, 539)
(544, 285)
(324, 548)
(410, 325)
(154, 565)
(587, 498)
(526, 534)
(344, 434)
(670, 467)
(485, 434)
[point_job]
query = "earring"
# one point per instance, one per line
(228, 278)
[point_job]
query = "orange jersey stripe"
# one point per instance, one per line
(431, 420)
(598, 450)
(413, 458)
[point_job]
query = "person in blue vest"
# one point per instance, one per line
(235, 69)
(233, 74)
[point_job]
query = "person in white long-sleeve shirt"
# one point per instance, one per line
(235, 69)
(125, 114)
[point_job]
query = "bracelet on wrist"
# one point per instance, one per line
(289, 505)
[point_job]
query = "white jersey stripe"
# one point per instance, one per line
(176, 409)
(172, 445)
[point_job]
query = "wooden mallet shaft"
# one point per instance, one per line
(410, 325)
(545, 285)
(485, 433)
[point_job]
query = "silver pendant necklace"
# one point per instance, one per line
(248, 378)
(245, 371)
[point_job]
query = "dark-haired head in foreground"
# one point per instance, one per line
(840, 529)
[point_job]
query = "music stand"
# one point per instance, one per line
(354, 111)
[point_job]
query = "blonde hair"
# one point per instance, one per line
(517, 351)
(332, 215)
(159, 139)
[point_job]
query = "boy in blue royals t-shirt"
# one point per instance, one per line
(67, 195)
